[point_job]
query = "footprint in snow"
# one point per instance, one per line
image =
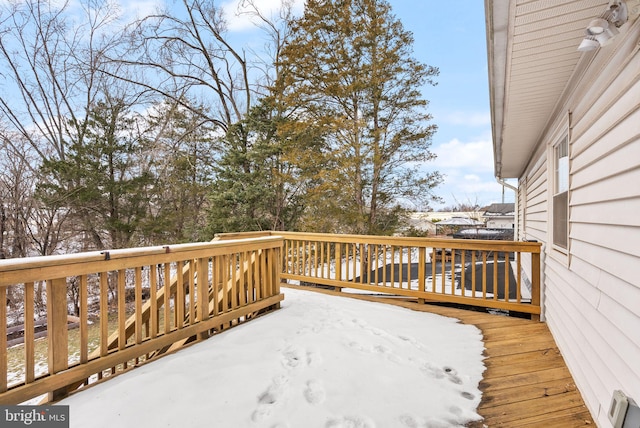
(350, 422)
(293, 357)
(314, 358)
(467, 395)
(314, 392)
(432, 371)
(270, 397)
(296, 356)
(452, 375)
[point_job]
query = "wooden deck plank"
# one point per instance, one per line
(526, 384)
(534, 408)
(499, 397)
(511, 347)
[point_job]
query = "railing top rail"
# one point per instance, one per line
(463, 244)
(43, 267)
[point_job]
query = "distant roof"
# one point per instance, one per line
(507, 209)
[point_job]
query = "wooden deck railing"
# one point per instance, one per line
(443, 270)
(193, 290)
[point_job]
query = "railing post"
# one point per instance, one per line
(275, 272)
(535, 283)
(203, 293)
(3, 339)
(338, 264)
(422, 278)
(57, 332)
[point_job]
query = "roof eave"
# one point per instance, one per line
(497, 26)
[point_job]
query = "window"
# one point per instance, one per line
(561, 194)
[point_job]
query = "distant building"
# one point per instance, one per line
(421, 223)
(500, 216)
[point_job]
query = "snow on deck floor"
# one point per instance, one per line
(320, 361)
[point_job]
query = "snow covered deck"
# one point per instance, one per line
(147, 302)
(526, 382)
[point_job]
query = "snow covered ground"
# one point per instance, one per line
(320, 361)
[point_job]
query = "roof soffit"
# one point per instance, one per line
(532, 48)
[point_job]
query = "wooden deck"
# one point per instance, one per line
(526, 383)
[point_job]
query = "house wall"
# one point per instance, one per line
(592, 290)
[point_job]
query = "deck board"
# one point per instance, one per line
(526, 383)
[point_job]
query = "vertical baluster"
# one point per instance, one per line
(323, 260)
(203, 289)
(203, 292)
(179, 303)
(473, 273)
(392, 274)
(251, 284)
(507, 271)
(453, 270)
(495, 275)
(264, 277)
(338, 260)
(153, 297)
(484, 274)
(313, 259)
(213, 297)
(384, 265)
(234, 283)
(408, 268)
(167, 297)
(369, 265)
(29, 333)
(269, 253)
(294, 257)
(354, 261)
(104, 313)
(3, 338)
(276, 254)
(192, 290)
(243, 279)
(463, 273)
(400, 265)
(433, 269)
(138, 304)
(443, 270)
(376, 267)
(122, 315)
(518, 277)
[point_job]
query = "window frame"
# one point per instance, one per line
(560, 194)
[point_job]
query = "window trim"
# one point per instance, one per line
(560, 194)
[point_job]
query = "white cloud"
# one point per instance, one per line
(467, 157)
(235, 12)
(468, 173)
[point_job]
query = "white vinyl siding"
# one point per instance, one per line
(592, 302)
(536, 203)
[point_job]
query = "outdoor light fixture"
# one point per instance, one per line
(588, 45)
(597, 26)
(602, 30)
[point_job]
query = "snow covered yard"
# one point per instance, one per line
(320, 361)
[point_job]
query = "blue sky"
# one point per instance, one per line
(449, 35)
